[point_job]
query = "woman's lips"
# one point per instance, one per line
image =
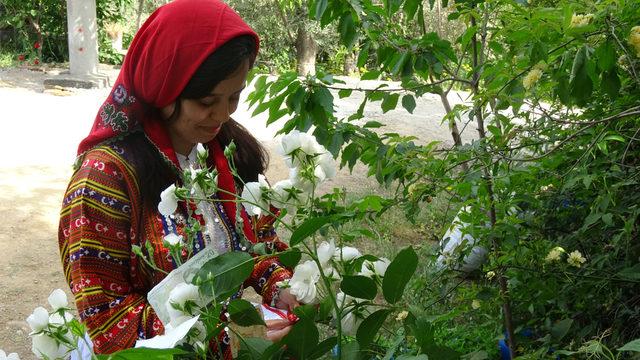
(211, 130)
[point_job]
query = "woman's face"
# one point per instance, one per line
(200, 119)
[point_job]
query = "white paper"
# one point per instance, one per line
(159, 295)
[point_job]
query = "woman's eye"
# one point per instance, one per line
(207, 102)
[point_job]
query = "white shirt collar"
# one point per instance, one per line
(189, 160)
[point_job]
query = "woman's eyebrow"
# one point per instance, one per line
(237, 92)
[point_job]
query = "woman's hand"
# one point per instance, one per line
(277, 329)
(286, 300)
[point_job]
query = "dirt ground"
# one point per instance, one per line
(40, 132)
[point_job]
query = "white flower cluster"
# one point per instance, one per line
(634, 39)
(304, 284)
(309, 165)
(51, 336)
(580, 20)
(574, 258)
(183, 306)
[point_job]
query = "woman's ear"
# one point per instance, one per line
(167, 112)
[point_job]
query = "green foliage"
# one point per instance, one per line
(222, 276)
(554, 90)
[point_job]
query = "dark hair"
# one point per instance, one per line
(250, 157)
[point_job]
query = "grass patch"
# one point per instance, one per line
(7, 59)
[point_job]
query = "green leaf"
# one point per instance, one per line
(562, 90)
(142, 354)
(398, 274)
(348, 32)
(350, 351)
(306, 312)
(409, 103)
(610, 83)
(561, 328)
(615, 137)
(389, 102)
(373, 124)
(606, 55)
(370, 75)
(359, 286)
(538, 53)
(631, 346)
(363, 55)
(581, 84)
(321, 6)
(370, 327)
(398, 62)
(410, 7)
(344, 93)
(631, 273)
(252, 348)
(302, 339)
(468, 34)
(324, 347)
(244, 313)
(322, 96)
(307, 229)
(224, 274)
(290, 258)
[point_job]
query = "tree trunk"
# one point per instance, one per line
(350, 66)
(306, 51)
(139, 18)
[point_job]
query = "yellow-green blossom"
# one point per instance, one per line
(531, 78)
(402, 315)
(579, 20)
(634, 39)
(475, 304)
(576, 259)
(554, 254)
(490, 275)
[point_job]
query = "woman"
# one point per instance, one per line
(179, 84)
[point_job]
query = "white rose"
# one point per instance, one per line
(58, 300)
(172, 336)
(303, 282)
(253, 199)
(309, 145)
(168, 201)
(45, 347)
(290, 143)
(182, 293)
(300, 182)
(347, 253)
(318, 172)
(12, 356)
(57, 319)
(325, 252)
(283, 192)
(351, 319)
(328, 165)
(39, 319)
(371, 269)
(173, 239)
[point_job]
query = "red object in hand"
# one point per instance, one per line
(21, 57)
(36, 45)
(292, 318)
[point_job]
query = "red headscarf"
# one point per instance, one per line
(164, 55)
